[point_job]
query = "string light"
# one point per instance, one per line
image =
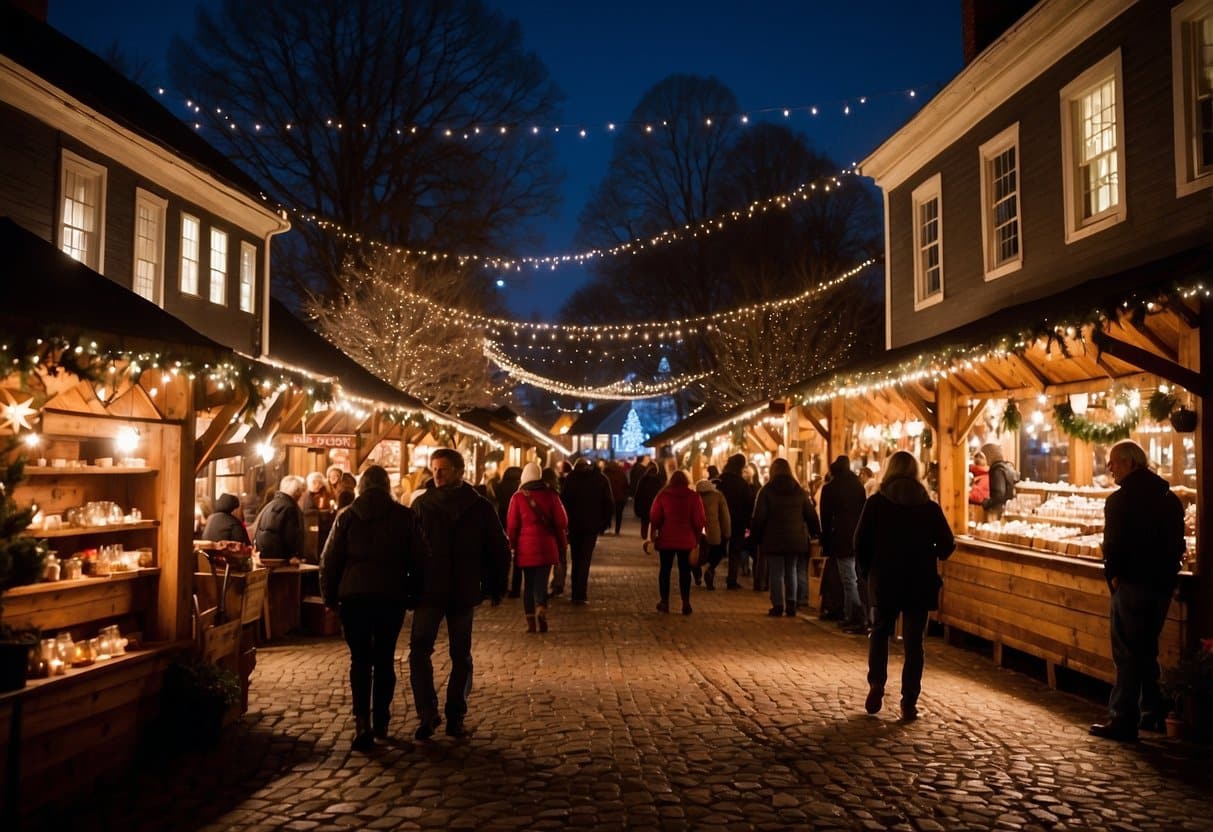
(616, 391)
(725, 424)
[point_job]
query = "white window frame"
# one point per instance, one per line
(1006, 140)
(196, 260)
(159, 206)
(1078, 227)
(1188, 179)
(70, 162)
(217, 274)
(932, 189)
(248, 277)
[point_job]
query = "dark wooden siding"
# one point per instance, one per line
(29, 189)
(1157, 222)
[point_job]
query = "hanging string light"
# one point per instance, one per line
(616, 391)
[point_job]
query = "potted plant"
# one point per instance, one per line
(194, 700)
(1189, 684)
(22, 561)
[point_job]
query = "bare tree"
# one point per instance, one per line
(384, 117)
(388, 316)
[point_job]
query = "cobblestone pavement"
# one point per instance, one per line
(624, 718)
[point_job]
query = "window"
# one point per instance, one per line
(248, 277)
(148, 279)
(1000, 203)
(218, 267)
(1192, 93)
(1092, 131)
(82, 223)
(928, 243)
(191, 232)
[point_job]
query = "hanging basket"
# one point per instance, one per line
(1184, 420)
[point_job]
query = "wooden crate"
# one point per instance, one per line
(246, 593)
(220, 643)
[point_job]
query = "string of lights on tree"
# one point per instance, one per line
(621, 390)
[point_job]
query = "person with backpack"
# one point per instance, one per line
(1003, 477)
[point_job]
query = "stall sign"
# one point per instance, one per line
(319, 440)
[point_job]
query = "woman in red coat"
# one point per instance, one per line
(537, 526)
(678, 522)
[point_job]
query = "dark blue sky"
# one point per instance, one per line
(790, 53)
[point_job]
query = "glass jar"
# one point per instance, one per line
(53, 568)
(65, 651)
(73, 569)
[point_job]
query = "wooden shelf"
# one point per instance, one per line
(84, 531)
(36, 471)
(51, 587)
(80, 675)
(1089, 526)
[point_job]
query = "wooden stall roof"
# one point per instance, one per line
(689, 425)
(47, 292)
(502, 423)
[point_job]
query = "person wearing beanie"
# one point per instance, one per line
(227, 521)
(678, 521)
(537, 528)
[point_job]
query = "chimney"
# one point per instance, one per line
(983, 21)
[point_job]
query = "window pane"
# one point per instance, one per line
(147, 250)
(189, 255)
(81, 191)
(248, 274)
(218, 292)
(1204, 95)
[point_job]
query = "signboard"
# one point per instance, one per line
(319, 440)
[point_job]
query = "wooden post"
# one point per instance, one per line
(1082, 462)
(951, 450)
(838, 427)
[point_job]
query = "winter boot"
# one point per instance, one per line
(541, 618)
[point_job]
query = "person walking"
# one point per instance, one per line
(739, 496)
(369, 575)
(469, 557)
(678, 521)
(501, 498)
(280, 523)
(785, 520)
(590, 504)
(717, 530)
(1143, 548)
(536, 525)
(842, 500)
(646, 491)
(901, 537)
(620, 489)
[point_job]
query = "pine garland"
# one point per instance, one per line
(1099, 433)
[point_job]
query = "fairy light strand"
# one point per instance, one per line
(616, 391)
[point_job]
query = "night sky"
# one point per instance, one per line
(605, 55)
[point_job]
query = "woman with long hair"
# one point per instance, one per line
(678, 522)
(901, 537)
(784, 521)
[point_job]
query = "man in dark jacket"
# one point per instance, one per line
(225, 522)
(280, 523)
(588, 502)
(620, 488)
(740, 498)
(369, 574)
(1143, 546)
(842, 500)
(469, 557)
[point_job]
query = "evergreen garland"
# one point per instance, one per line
(1011, 419)
(1099, 433)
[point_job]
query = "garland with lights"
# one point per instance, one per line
(615, 391)
(1099, 433)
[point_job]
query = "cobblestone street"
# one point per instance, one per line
(622, 717)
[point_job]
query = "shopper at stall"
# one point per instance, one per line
(280, 523)
(842, 500)
(1003, 477)
(590, 506)
(739, 496)
(369, 574)
(784, 521)
(716, 532)
(537, 527)
(318, 496)
(469, 556)
(678, 521)
(1143, 547)
(979, 488)
(227, 521)
(901, 537)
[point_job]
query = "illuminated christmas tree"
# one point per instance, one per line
(631, 437)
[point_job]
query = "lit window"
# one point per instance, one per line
(148, 278)
(82, 223)
(248, 277)
(1192, 83)
(218, 267)
(191, 231)
(1093, 149)
(928, 243)
(1000, 203)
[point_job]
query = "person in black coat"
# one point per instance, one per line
(280, 523)
(901, 537)
(590, 505)
(225, 523)
(739, 494)
(1143, 547)
(369, 574)
(646, 491)
(469, 558)
(842, 500)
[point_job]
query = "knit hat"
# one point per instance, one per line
(227, 503)
(531, 473)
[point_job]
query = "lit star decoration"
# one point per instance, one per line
(16, 415)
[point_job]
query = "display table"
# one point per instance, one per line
(284, 599)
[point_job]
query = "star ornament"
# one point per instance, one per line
(16, 415)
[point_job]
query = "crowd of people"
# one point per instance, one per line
(516, 534)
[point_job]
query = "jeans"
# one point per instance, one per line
(1138, 615)
(913, 631)
(782, 573)
(581, 552)
(684, 573)
(371, 627)
(852, 608)
(535, 587)
(426, 621)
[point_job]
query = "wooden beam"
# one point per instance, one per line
(811, 417)
(1026, 371)
(952, 452)
(838, 427)
(968, 419)
(1153, 340)
(1152, 363)
(219, 431)
(1184, 312)
(921, 408)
